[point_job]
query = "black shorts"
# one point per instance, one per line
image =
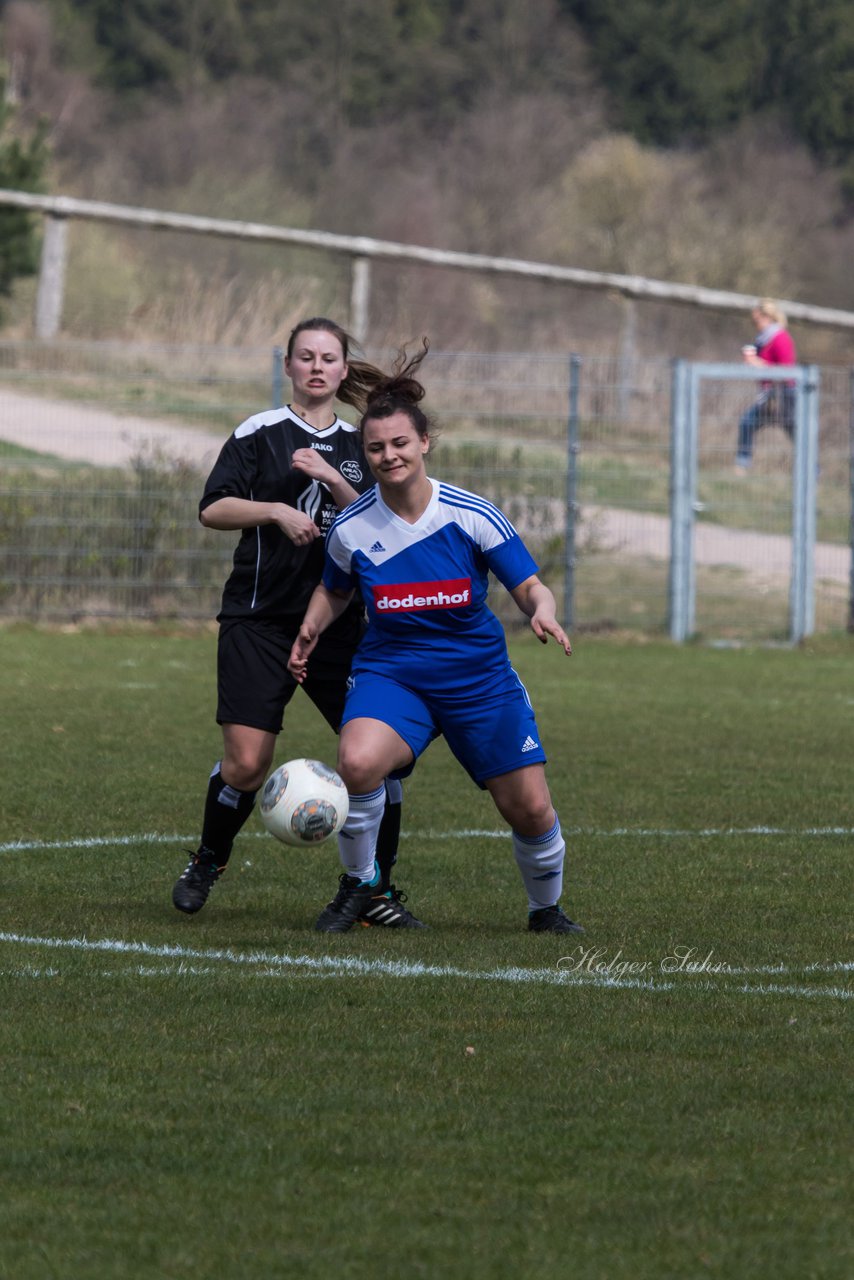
(253, 682)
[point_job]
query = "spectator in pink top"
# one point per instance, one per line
(775, 403)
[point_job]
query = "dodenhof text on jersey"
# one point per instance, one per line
(454, 593)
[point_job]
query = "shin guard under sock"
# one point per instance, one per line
(226, 810)
(357, 840)
(540, 861)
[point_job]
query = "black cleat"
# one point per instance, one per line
(552, 920)
(386, 909)
(344, 910)
(195, 883)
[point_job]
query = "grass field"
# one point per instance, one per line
(235, 1096)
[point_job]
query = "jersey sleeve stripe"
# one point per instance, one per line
(259, 420)
(338, 425)
(356, 508)
(270, 417)
(469, 502)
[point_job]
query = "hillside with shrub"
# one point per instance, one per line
(709, 145)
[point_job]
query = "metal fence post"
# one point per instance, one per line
(812, 376)
(796, 583)
(850, 626)
(801, 599)
(571, 494)
(692, 414)
(679, 604)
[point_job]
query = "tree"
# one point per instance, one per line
(686, 70)
(812, 63)
(676, 69)
(146, 44)
(22, 167)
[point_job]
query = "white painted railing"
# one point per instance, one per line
(361, 249)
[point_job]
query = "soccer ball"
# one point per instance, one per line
(304, 802)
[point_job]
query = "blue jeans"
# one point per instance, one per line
(775, 407)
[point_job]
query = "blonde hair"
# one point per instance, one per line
(768, 307)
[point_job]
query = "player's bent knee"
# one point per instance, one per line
(359, 770)
(245, 772)
(246, 779)
(529, 817)
(533, 822)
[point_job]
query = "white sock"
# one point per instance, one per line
(357, 840)
(540, 862)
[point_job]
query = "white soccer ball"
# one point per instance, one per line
(304, 802)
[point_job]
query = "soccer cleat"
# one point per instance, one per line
(387, 909)
(552, 920)
(195, 883)
(344, 910)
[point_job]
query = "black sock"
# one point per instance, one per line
(226, 810)
(387, 840)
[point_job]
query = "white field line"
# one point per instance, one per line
(273, 965)
(329, 966)
(642, 833)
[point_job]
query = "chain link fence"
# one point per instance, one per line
(104, 449)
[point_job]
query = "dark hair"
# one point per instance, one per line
(400, 392)
(362, 376)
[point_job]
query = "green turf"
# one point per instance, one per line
(234, 1095)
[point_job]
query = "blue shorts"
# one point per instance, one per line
(490, 733)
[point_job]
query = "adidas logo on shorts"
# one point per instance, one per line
(529, 744)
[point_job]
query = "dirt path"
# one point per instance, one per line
(765, 554)
(82, 433)
(86, 434)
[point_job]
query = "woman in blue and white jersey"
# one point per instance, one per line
(434, 657)
(279, 481)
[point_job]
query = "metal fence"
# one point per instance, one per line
(104, 449)
(742, 539)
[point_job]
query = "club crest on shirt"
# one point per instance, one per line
(415, 597)
(351, 471)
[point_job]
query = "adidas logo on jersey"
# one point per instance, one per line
(529, 744)
(378, 546)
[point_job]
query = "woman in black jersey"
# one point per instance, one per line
(280, 480)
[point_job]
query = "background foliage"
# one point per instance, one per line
(678, 71)
(674, 70)
(709, 143)
(23, 161)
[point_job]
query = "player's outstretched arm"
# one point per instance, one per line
(537, 603)
(323, 609)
